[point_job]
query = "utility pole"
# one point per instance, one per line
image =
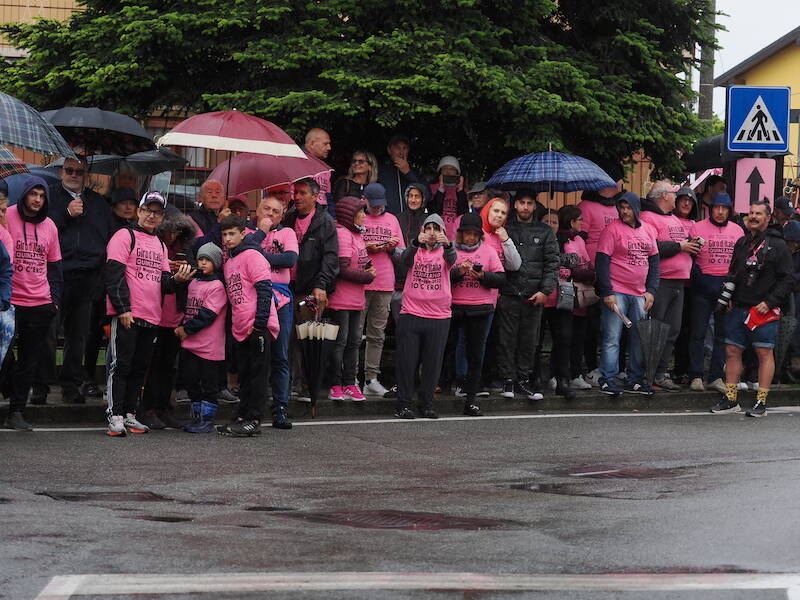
(706, 99)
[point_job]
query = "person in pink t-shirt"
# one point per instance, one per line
(137, 275)
(424, 317)
(249, 286)
(675, 251)
(202, 338)
(475, 278)
(627, 269)
(36, 290)
(382, 235)
(345, 304)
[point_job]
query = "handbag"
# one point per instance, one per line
(585, 294)
(566, 295)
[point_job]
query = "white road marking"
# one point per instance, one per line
(590, 473)
(62, 587)
(116, 584)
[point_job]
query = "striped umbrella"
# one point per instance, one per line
(22, 126)
(10, 164)
(550, 172)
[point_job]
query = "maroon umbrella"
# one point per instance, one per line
(250, 171)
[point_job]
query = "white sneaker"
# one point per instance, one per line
(743, 387)
(754, 386)
(374, 388)
(697, 385)
(593, 377)
(718, 386)
(133, 426)
(116, 426)
(182, 396)
(459, 392)
(580, 384)
(552, 383)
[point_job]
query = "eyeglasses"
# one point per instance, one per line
(150, 211)
(360, 161)
(71, 171)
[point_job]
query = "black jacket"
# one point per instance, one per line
(538, 248)
(773, 278)
(395, 184)
(318, 259)
(83, 238)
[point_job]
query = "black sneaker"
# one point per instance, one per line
(508, 389)
(280, 420)
(152, 420)
(429, 414)
(89, 389)
(248, 428)
(472, 410)
(392, 393)
(527, 389)
(724, 406)
(16, 421)
(759, 410)
(639, 388)
(406, 413)
(609, 388)
(168, 419)
(70, 394)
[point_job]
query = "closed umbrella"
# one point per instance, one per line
(249, 171)
(95, 131)
(786, 328)
(653, 335)
(22, 126)
(316, 339)
(550, 172)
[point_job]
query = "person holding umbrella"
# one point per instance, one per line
(627, 268)
(83, 219)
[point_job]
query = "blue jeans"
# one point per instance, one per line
(279, 357)
(702, 307)
(611, 330)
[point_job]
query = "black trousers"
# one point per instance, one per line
(76, 311)
(94, 339)
(474, 328)
(131, 350)
(201, 376)
(32, 324)
(560, 324)
(517, 322)
(161, 375)
(579, 325)
(420, 342)
(252, 356)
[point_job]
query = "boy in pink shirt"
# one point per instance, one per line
(137, 275)
(627, 279)
(382, 236)
(202, 338)
(36, 289)
(247, 280)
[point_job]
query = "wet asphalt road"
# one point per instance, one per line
(685, 493)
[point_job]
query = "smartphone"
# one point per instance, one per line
(477, 267)
(180, 256)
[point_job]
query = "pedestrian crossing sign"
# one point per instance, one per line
(758, 118)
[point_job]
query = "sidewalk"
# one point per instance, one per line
(54, 412)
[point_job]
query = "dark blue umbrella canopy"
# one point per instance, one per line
(22, 126)
(550, 172)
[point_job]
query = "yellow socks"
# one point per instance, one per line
(731, 391)
(761, 395)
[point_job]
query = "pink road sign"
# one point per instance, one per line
(755, 180)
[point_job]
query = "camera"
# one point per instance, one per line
(477, 267)
(450, 180)
(725, 295)
(700, 241)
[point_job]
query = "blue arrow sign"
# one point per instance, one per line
(757, 119)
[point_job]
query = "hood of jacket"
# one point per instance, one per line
(426, 195)
(30, 183)
(181, 225)
(635, 203)
(346, 210)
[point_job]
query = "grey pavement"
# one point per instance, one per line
(672, 493)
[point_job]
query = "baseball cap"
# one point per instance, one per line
(152, 198)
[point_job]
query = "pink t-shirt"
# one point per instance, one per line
(629, 250)
(276, 238)
(5, 237)
(301, 225)
(348, 294)
(33, 246)
(324, 181)
(170, 315)
(379, 230)
(687, 223)
(209, 342)
(469, 290)
(670, 228)
(449, 207)
(143, 267)
(241, 273)
(715, 256)
(596, 217)
(492, 240)
(426, 292)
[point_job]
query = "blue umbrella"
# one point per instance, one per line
(550, 172)
(22, 126)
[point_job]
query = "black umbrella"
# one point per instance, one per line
(95, 131)
(150, 162)
(786, 327)
(316, 340)
(653, 336)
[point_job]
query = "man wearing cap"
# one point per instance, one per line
(761, 277)
(395, 173)
(784, 211)
(36, 289)
(318, 145)
(627, 267)
(675, 251)
(137, 275)
(477, 197)
(382, 235)
(83, 219)
(717, 236)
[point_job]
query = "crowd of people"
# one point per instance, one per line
(201, 307)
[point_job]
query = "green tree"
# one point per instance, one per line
(485, 81)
